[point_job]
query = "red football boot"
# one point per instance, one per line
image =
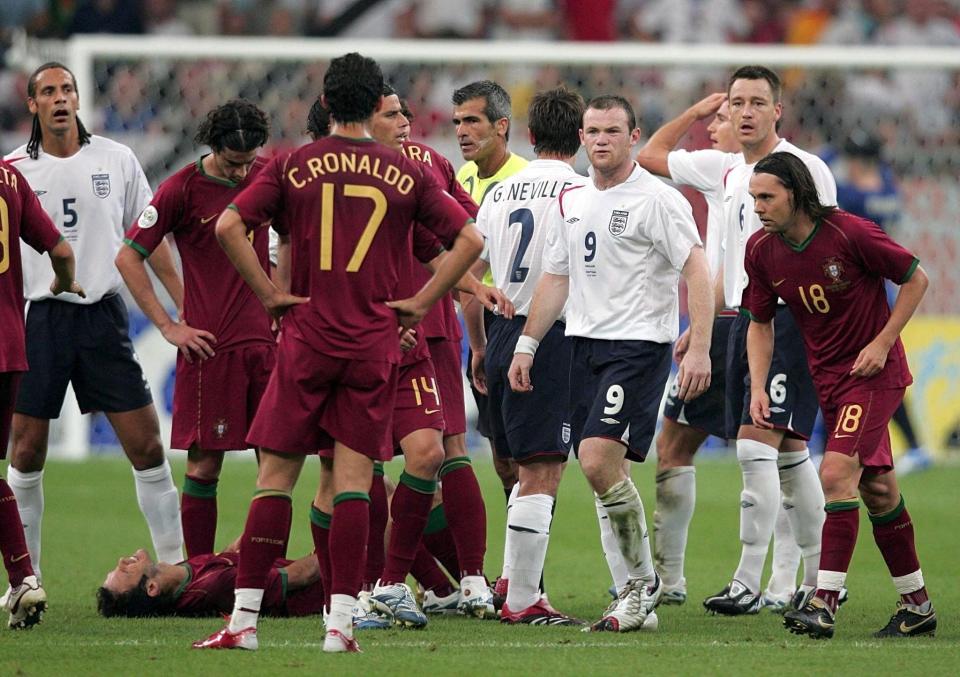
(224, 639)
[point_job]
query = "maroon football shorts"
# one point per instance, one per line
(312, 397)
(418, 401)
(857, 421)
(446, 357)
(214, 400)
(9, 382)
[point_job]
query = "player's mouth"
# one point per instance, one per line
(746, 129)
(61, 115)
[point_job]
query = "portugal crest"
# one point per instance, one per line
(220, 428)
(833, 269)
(101, 185)
(618, 222)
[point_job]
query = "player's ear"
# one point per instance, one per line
(635, 136)
(32, 105)
(153, 588)
(502, 126)
(533, 140)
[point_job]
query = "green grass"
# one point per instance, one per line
(92, 519)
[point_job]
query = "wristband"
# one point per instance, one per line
(526, 345)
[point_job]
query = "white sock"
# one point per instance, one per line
(28, 489)
(611, 548)
(801, 488)
(786, 558)
(508, 547)
(246, 609)
(529, 529)
(676, 497)
(629, 525)
(758, 508)
(341, 614)
(160, 505)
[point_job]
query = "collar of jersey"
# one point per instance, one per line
(634, 175)
(215, 179)
(803, 245)
(353, 139)
(186, 581)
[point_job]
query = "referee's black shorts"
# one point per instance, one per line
(86, 345)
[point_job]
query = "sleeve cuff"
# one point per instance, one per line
(139, 248)
(910, 271)
(746, 313)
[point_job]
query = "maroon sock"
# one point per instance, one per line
(349, 528)
(428, 573)
(893, 533)
(409, 508)
(439, 541)
(320, 528)
(837, 543)
(378, 527)
(264, 537)
(466, 514)
(16, 557)
(198, 515)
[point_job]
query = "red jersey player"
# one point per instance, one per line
(350, 202)
(21, 217)
(226, 346)
(829, 267)
(203, 585)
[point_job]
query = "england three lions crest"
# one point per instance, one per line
(618, 222)
(101, 185)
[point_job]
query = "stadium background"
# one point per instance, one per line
(887, 67)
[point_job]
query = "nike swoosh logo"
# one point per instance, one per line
(208, 219)
(904, 628)
(17, 559)
(430, 411)
(778, 283)
(841, 436)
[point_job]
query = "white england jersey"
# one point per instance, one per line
(705, 171)
(92, 197)
(513, 219)
(741, 221)
(623, 249)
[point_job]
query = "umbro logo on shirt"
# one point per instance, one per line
(572, 219)
(38, 193)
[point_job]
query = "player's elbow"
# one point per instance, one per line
(229, 226)
(920, 280)
(654, 160)
(470, 241)
(62, 252)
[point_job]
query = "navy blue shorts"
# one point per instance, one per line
(615, 391)
(793, 399)
(528, 426)
(706, 413)
(88, 346)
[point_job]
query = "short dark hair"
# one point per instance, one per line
(237, 125)
(555, 118)
(36, 133)
(497, 104)
(758, 73)
(388, 89)
(793, 175)
(612, 101)
(135, 603)
(352, 86)
(318, 121)
(405, 109)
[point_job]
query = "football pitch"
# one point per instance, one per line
(92, 519)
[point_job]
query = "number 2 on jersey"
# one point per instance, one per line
(524, 217)
(369, 231)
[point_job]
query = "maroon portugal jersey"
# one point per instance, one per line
(441, 321)
(209, 589)
(349, 204)
(833, 285)
(21, 217)
(215, 297)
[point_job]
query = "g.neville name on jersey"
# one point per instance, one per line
(528, 190)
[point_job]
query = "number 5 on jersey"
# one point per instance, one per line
(369, 231)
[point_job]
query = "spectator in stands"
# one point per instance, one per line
(691, 21)
(106, 16)
(442, 19)
(160, 18)
(525, 20)
(594, 21)
(337, 18)
(30, 15)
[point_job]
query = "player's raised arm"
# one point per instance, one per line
(653, 155)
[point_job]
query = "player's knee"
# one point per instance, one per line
(147, 454)
(879, 496)
(836, 481)
(426, 462)
(26, 455)
(672, 451)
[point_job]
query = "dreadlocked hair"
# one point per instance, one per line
(36, 133)
(238, 125)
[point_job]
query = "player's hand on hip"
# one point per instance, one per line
(409, 311)
(408, 338)
(478, 370)
(189, 341)
(760, 409)
(280, 302)
(496, 302)
(694, 375)
(57, 288)
(871, 360)
(519, 373)
(681, 346)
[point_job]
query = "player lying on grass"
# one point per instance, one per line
(203, 586)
